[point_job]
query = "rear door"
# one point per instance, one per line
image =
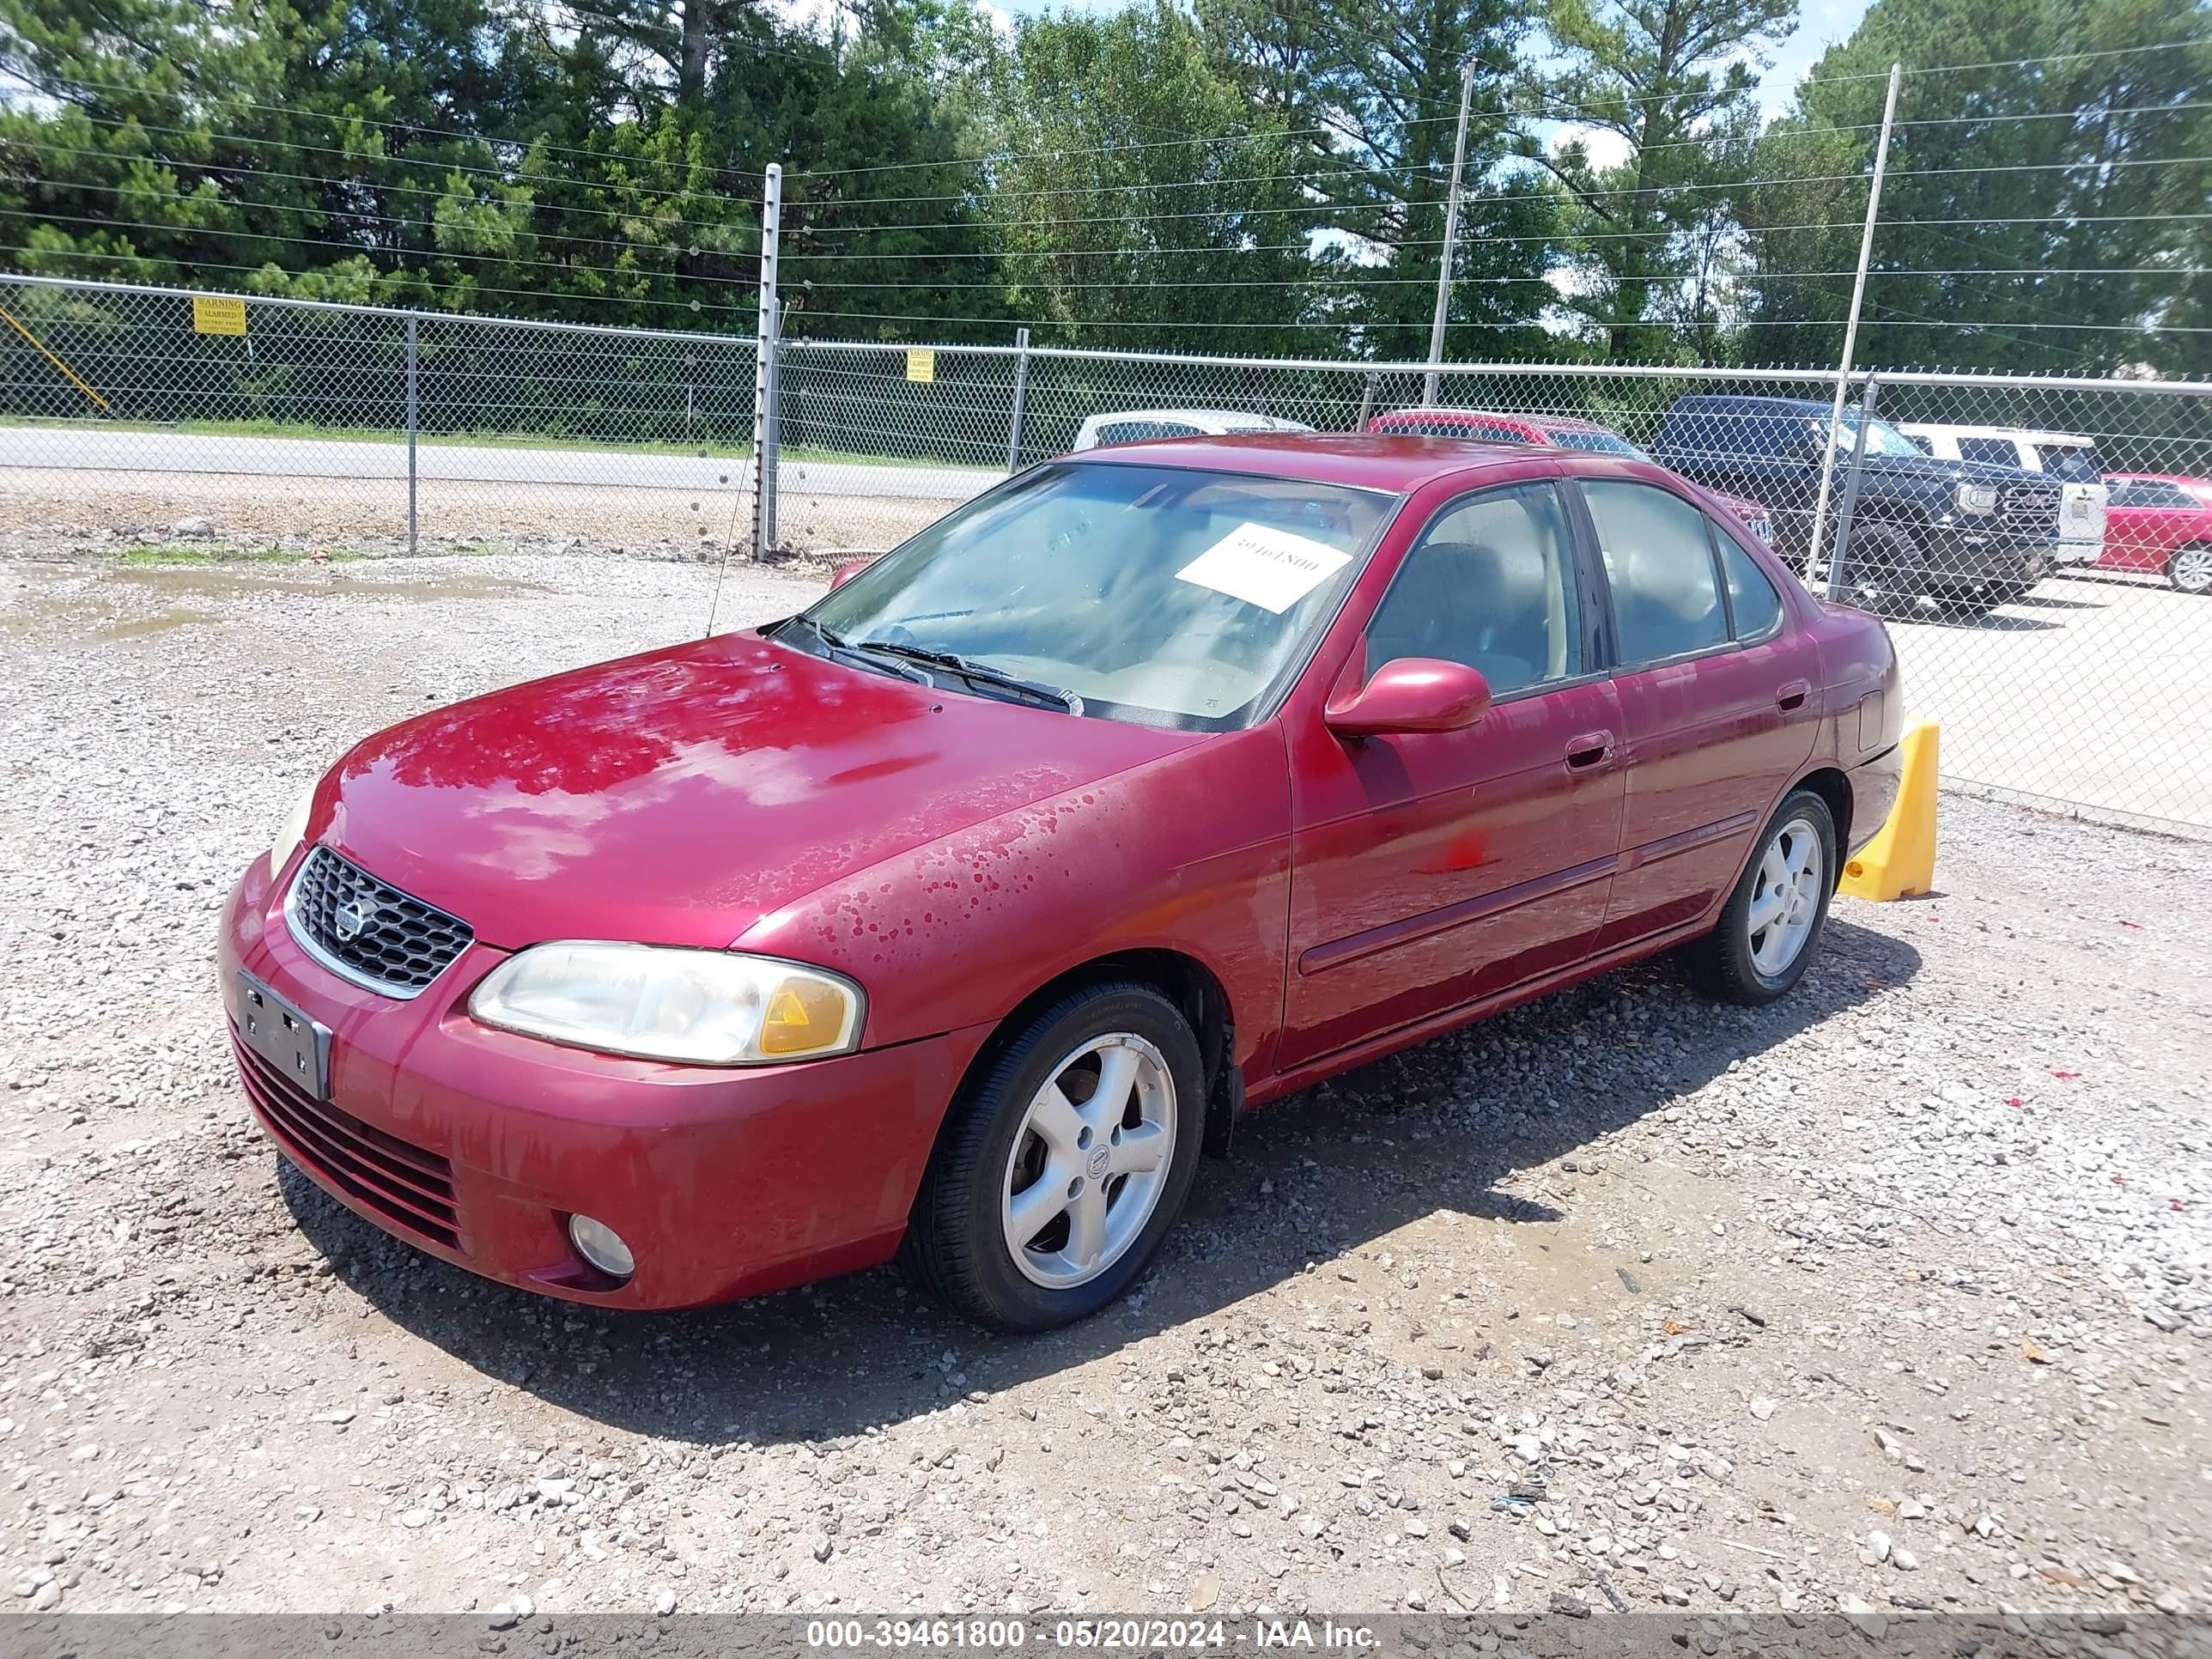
(1719, 700)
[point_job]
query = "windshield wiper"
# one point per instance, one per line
(875, 657)
(979, 672)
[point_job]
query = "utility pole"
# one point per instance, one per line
(1852, 324)
(1451, 235)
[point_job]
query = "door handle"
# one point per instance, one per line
(1792, 695)
(1592, 748)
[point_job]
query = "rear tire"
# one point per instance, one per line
(2189, 570)
(1090, 1182)
(1771, 925)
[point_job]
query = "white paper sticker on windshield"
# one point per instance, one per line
(1263, 566)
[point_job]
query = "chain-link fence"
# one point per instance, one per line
(2042, 545)
(127, 411)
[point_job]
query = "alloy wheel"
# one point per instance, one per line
(1090, 1161)
(2192, 570)
(1786, 901)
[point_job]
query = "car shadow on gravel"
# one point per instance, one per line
(1446, 1129)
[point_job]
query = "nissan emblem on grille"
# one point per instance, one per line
(368, 931)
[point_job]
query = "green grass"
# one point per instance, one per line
(736, 453)
(177, 553)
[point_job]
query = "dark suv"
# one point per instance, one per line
(1953, 533)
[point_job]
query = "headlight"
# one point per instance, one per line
(1980, 499)
(659, 1002)
(292, 831)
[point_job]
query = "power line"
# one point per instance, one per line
(542, 295)
(1183, 283)
(31, 82)
(357, 158)
(610, 272)
(1557, 112)
(187, 197)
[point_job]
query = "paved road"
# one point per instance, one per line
(105, 450)
(2090, 689)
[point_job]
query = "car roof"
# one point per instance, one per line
(1196, 417)
(2182, 478)
(1358, 459)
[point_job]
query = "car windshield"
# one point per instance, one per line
(1595, 441)
(1165, 596)
(1882, 438)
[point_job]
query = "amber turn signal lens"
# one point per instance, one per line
(804, 1016)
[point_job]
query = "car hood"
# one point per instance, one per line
(676, 798)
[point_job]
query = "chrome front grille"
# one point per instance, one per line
(2029, 509)
(368, 931)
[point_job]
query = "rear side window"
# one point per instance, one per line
(1752, 602)
(1659, 563)
(1990, 452)
(2151, 492)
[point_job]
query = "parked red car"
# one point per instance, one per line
(953, 915)
(2159, 521)
(1560, 432)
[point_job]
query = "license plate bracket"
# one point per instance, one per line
(285, 1035)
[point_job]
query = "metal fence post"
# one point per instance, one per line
(1851, 322)
(765, 367)
(1849, 509)
(412, 412)
(770, 437)
(1021, 399)
(1451, 237)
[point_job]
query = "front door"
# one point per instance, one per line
(1431, 870)
(1719, 700)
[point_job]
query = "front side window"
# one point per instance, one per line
(1164, 596)
(1658, 558)
(1489, 584)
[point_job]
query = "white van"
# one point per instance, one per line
(2066, 456)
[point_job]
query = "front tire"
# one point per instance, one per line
(1771, 926)
(1063, 1165)
(2189, 570)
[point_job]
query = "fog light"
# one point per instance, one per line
(602, 1246)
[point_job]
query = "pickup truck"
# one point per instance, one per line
(1929, 534)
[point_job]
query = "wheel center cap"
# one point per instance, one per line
(1099, 1159)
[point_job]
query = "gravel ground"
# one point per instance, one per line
(1893, 1295)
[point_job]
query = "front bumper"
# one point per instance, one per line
(724, 1183)
(1966, 554)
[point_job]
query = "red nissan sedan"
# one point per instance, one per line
(952, 917)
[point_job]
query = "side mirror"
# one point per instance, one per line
(1407, 694)
(845, 572)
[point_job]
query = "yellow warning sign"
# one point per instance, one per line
(215, 314)
(920, 363)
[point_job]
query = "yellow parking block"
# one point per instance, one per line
(1899, 862)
